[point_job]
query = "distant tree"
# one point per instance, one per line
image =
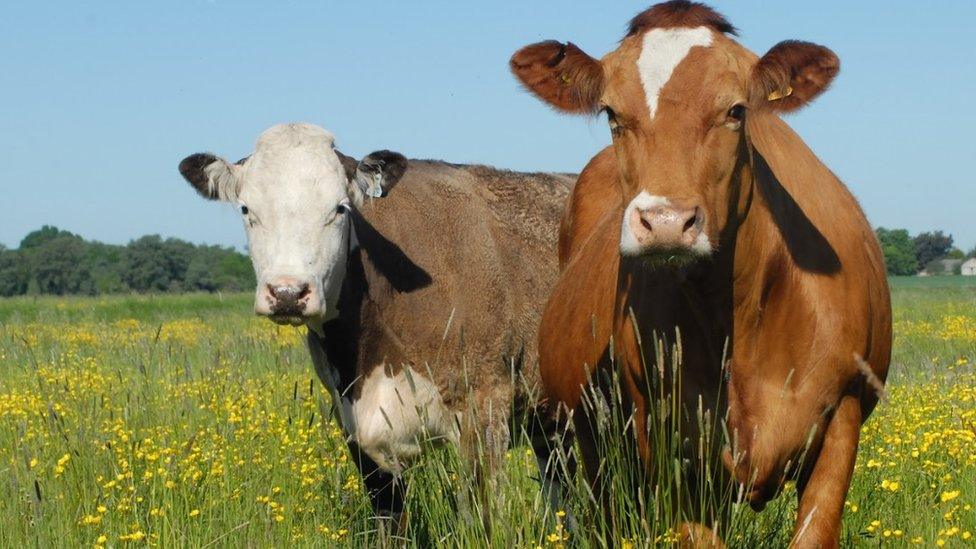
(972, 253)
(898, 250)
(955, 253)
(931, 245)
(45, 234)
(58, 265)
(53, 261)
(216, 268)
(235, 272)
(14, 273)
(105, 261)
(200, 274)
(153, 264)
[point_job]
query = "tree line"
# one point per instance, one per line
(53, 261)
(907, 255)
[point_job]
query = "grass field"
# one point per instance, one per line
(183, 420)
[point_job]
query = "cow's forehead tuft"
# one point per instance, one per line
(296, 135)
(679, 13)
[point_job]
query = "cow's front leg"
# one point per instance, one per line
(385, 491)
(552, 442)
(822, 491)
(484, 438)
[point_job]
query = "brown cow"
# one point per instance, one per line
(422, 285)
(709, 218)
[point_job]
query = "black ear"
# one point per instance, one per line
(211, 176)
(349, 165)
(379, 172)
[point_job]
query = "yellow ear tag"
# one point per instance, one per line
(780, 94)
(565, 78)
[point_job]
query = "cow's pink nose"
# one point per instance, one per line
(667, 227)
(287, 297)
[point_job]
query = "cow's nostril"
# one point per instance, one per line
(646, 224)
(272, 292)
(690, 223)
(303, 291)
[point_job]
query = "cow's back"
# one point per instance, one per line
(459, 261)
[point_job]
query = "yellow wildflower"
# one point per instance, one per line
(949, 496)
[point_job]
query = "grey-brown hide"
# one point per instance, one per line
(446, 282)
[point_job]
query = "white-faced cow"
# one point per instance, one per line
(422, 285)
(709, 218)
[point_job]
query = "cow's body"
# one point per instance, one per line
(796, 322)
(710, 227)
(422, 285)
(440, 307)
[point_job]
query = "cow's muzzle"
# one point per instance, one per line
(287, 301)
(660, 228)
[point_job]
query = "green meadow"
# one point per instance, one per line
(185, 421)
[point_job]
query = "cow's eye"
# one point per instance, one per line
(737, 113)
(342, 208)
(244, 210)
(735, 116)
(615, 127)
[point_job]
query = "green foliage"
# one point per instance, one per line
(41, 236)
(14, 274)
(52, 261)
(899, 251)
(57, 266)
(955, 253)
(153, 264)
(930, 246)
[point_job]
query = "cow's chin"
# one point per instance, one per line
(289, 320)
(673, 258)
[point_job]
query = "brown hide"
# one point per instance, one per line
(800, 288)
(810, 294)
(587, 204)
(450, 277)
(709, 218)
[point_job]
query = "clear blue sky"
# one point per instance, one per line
(99, 101)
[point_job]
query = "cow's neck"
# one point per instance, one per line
(760, 260)
(689, 306)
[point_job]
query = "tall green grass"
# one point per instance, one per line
(121, 384)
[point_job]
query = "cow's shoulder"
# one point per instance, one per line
(597, 191)
(578, 319)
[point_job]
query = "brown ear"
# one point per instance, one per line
(792, 74)
(561, 75)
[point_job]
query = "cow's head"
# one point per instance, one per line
(677, 92)
(295, 194)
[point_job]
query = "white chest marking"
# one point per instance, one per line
(394, 415)
(662, 51)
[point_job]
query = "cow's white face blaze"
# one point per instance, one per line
(296, 196)
(662, 50)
